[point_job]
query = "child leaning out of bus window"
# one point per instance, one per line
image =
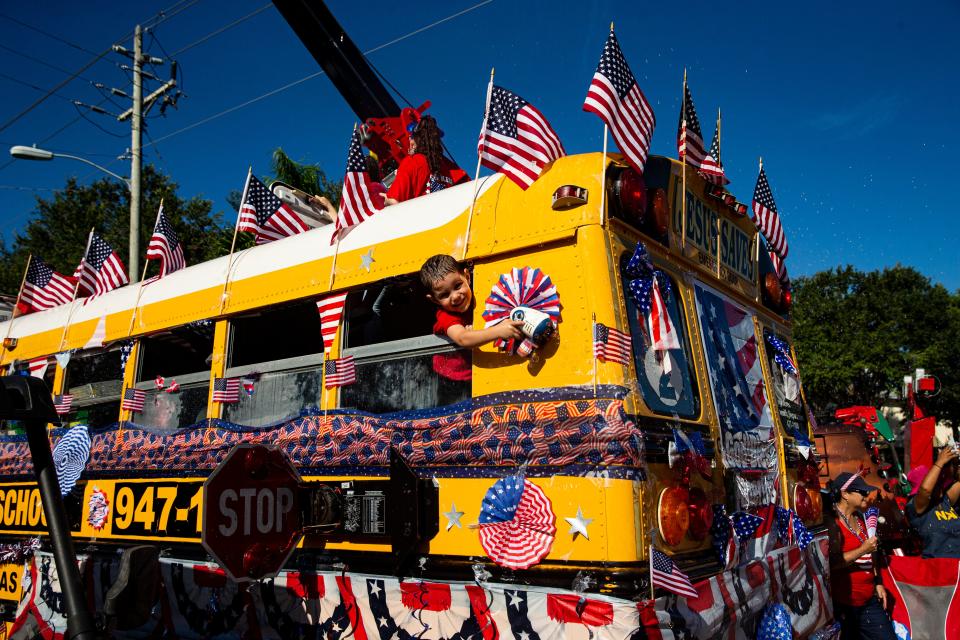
(448, 286)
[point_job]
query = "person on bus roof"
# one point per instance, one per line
(448, 287)
(425, 169)
(931, 509)
(859, 596)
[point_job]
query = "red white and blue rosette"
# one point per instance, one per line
(517, 524)
(522, 287)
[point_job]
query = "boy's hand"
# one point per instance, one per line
(509, 329)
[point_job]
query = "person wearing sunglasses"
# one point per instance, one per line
(859, 597)
(425, 169)
(932, 506)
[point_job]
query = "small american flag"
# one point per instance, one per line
(44, 288)
(101, 269)
(330, 309)
(778, 266)
(63, 403)
(516, 139)
(339, 372)
(615, 97)
(766, 217)
(356, 203)
(712, 167)
(611, 345)
(165, 246)
(663, 336)
(689, 138)
(133, 400)
(665, 574)
(226, 390)
(265, 215)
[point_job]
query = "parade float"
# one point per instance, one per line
(271, 444)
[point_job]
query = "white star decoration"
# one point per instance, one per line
(578, 524)
(515, 601)
(367, 260)
(453, 517)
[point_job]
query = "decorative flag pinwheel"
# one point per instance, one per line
(781, 354)
(517, 523)
(70, 457)
(526, 287)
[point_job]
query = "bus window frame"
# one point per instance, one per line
(768, 364)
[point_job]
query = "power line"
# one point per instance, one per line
(32, 86)
(43, 62)
(47, 33)
(221, 29)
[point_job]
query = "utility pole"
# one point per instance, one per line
(136, 160)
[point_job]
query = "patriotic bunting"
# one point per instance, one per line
(330, 309)
(44, 288)
(38, 367)
(265, 215)
(611, 345)
(517, 523)
(339, 372)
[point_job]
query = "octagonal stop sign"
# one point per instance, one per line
(252, 520)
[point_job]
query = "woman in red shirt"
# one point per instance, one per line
(859, 598)
(424, 170)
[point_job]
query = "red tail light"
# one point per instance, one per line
(631, 192)
(673, 515)
(701, 514)
(658, 211)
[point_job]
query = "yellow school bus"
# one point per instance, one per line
(628, 448)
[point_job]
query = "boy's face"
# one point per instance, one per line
(452, 292)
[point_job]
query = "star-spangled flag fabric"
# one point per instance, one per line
(778, 266)
(615, 97)
(745, 524)
(101, 269)
(133, 400)
(165, 246)
(44, 288)
(339, 372)
(516, 140)
(330, 309)
(721, 532)
(665, 574)
(775, 624)
(611, 345)
(265, 215)
(712, 167)
(781, 354)
(226, 390)
(63, 403)
(356, 202)
(766, 216)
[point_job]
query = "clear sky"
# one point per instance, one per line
(853, 106)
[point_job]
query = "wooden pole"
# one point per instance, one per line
(146, 263)
(683, 195)
(603, 169)
(16, 305)
(756, 257)
(596, 362)
(476, 174)
(333, 267)
(233, 243)
(73, 300)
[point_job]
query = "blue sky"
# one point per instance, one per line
(853, 109)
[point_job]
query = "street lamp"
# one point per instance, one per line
(22, 152)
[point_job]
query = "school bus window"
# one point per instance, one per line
(22, 368)
(276, 333)
(401, 384)
(666, 378)
(786, 383)
(94, 380)
(177, 352)
(394, 309)
(170, 410)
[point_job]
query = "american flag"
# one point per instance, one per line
(611, 345)
(226, 390)
(63, 403)
(615, 97)
(778, 266)
(662, 334)
(133, 400)
(165, 246)
(265, 215)
(330, 309)
(38, 367)
(665, 574)
(339, 372)
(516, 140)
(766, 217)
(356, 204)
(712, 167)
(101, 269)
(689, 137)
(44, 288)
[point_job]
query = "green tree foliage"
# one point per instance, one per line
(306, 177)
(858, 334)
(59, 227)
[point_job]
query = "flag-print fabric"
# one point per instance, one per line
(44, 288)
(330, 309)
(926, 596)
(517, 524)
(265, 215)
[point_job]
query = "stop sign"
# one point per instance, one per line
(251, 512)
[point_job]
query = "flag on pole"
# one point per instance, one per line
(330, 309)
(665, 574)
(778, 266)
(44, 288)
(516, 139)
(63, 403)
(265, 215)
(766, 216)
(226, 390)
(615, 97)
(356, 203)
(611, 345)
(133, 400)
(712, 168)
(165, 246)
(690, 139)
(101, 269)
(339, 372)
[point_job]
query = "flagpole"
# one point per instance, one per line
(596, 363)
(650, 559)
(76, 288)
(336, 251)
(16, 305)
(756, 259)
(233, 243)
(683, 196)
(146, 263)
(476, 174)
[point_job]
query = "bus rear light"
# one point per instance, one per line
(807, 503)
(658, 210)
(787, 299)
(673, 515)
(771, 286)
(701, 514)
(631, 192)
(809, 474)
